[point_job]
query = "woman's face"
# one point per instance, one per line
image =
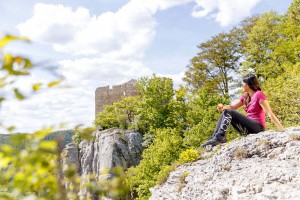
(245, 87)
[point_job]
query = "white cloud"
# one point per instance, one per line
(226, 12)
(128, 32)
(177, 78)
(50, 108)
(97, 71)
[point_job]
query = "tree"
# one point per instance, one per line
(272, 51)
(121, 114)
(215, 64)
(283, 89)
(260, 45)
(284, 95)
(156, 95)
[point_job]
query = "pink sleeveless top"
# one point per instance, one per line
(254, 109)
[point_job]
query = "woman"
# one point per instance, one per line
(255, 104)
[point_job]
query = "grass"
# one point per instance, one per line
(294, 137)
(182, 181)
(240, 153)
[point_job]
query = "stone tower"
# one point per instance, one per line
(106, 96)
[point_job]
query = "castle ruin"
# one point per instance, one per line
(107, 96)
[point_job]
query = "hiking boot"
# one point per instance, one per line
(215, 140)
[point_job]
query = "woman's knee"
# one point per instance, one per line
(228, 111)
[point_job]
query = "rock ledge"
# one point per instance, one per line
(259, 166)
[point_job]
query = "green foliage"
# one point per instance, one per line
(33, 171)
(121, 114)
(188, 155)
(111, 184)
(30, 164)
(65, 136)
(272, 50)
(12, 66)
(82, 133)
(156, 96)
(148, 138)
(272, 43)
(158, 106)
(164, 150)
(260, 45)
(202, 116)
(214, 65)
(178, 110)
(8, 38)
(284, 96)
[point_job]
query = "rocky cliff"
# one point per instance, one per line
(259, 166)
(109, 148)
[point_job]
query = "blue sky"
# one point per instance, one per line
(93, 43)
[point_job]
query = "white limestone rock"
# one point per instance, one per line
(271, 170)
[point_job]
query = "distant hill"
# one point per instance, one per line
(66, 135)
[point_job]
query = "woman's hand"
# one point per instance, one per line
(220, 107)
(235, 105)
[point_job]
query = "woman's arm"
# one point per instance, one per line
(234, 106)
(266, 107)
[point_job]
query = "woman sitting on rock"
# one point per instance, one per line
(255, 104)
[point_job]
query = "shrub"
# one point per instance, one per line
(162, 152)
(121, 114)
(188, 155)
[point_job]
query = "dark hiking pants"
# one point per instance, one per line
(240, 123)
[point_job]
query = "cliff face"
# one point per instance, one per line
(110, 148)
(259, 166)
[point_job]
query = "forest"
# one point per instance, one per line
(174, 122)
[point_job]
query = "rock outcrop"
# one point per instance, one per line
(108, 149)
(111, 148)
(259, 166)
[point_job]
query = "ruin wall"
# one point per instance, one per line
(107, 96)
